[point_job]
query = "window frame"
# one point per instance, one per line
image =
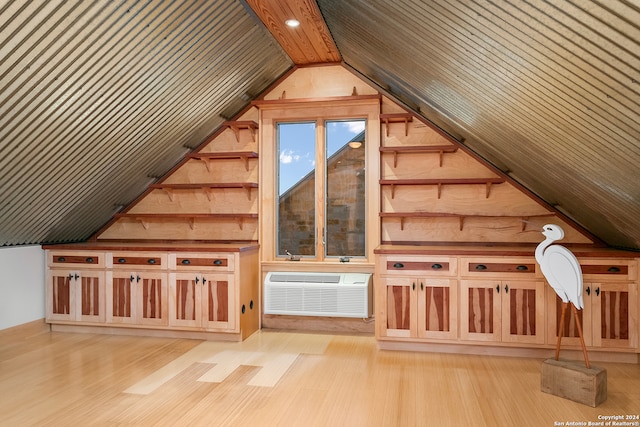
(365, 108)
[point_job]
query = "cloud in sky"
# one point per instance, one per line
(354, 127)
(288, 156)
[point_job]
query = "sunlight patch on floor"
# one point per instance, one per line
(273, 352)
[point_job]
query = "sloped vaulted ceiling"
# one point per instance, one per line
(97, 99)
(548, 91)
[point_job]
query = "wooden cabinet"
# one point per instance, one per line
(137, 288)
(213, 293)
(75, 287)
(502, 300)
(609, 318)
(417, 298)
(502, 311)
(202, 292)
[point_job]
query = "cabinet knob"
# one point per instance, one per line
(398, 265)
(243, 309)
(614, 269)
(61, 259)
(217, 262)
(251, 305)
(436, 266)
(89, 259)
(588, 290)
(151, 261)
(122, 260)
(598, 292)
(522, 268)
(186, 262)
(481, 267)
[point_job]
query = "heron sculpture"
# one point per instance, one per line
(562, 270)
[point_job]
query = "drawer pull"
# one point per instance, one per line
(398, 265)
(89, 259)
(522, 268)
(122, 260)
(614, 269)
(186, 262)
(481, 267)
(61, 259)
(217, 262)
(436, 266)
(151, 261)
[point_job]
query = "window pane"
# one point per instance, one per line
(296, 188)
(345, 188)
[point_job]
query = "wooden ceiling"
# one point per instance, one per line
(308, 43)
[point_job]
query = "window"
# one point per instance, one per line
(320, 205)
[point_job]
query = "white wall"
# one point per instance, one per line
(22, 285)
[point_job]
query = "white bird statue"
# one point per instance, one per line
(563, 273)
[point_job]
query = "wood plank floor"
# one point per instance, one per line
(276, 379)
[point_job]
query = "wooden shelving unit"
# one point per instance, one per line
(208, 188)
(238, 125)
(146, 218)
(488, 182)
(417, 149)
(405, 118)
(404, 215)
(209, 157)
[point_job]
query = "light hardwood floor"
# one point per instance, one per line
(276, 379)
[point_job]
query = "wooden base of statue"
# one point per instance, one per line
(572, 380)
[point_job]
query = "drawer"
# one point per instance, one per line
(441, 266)
(202, 261)
(609, 269)
(76, 259)
(499, 267)
(137, 260)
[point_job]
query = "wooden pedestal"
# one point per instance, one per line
(574, 381)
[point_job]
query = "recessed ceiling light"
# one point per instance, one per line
(292, 23)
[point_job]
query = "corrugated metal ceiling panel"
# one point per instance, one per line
(546, 90)
(99, 98)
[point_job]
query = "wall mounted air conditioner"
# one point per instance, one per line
(319, 294)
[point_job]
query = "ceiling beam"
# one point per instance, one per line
(308, 43)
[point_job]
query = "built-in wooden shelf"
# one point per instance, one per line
(146, 218)
(440, 149)
(208, 157)
(237, 126)
(488, 182)
(405, 118)
(208, 188)
(404, 215)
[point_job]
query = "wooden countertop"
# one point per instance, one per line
(499, 250)
(176, 246)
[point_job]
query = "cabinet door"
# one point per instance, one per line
(121, 297)
(400, 309)
(480, 310)
(61, 294)
(75, 295)
(185, 299)
(151, 296)
(218, 302)
(90, 297)
(437, 314)
(522, 311)
(612, 305)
